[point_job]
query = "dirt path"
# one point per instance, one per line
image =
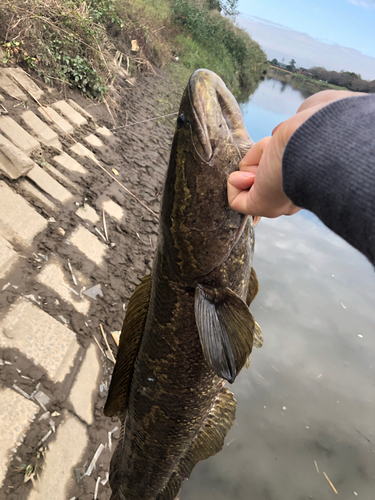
(140, 154)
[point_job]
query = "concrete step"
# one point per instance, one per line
(19, 222)
(40, 337)
(16, 414)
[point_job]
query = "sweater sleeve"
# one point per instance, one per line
(329, 169)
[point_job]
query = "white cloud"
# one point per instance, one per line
(366, 4)
(284, 43)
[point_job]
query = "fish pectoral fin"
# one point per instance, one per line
(226, 329)
(253, 288)
(130, 339)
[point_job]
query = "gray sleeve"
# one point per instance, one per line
(329, 168)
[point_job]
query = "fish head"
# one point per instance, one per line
(199, 228)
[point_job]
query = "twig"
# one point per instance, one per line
(316, 466)
(106, 341)
(105, 226)
(330, 483)
(109, 111)
(100, 347)
(71, 271)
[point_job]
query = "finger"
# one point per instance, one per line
(239, 182)
(238, 200)
(254, 154)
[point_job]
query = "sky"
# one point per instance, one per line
(335, 34)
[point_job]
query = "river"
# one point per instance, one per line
(306, 405)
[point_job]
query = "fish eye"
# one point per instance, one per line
(180, 121)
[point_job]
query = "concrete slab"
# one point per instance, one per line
(42, 131)
(39, 337)
(80, 110)
(19, 222)
(94, 141)
(104, 131)
(69, 163)
(20, 76)
(49, 184)
(8, 86)
(57, 121)
(75, 118)
(8, 258)
(113, 209)
(86, 386)
(63, 455)
(14, 163)
(80, 150)
(16, 414)
(18, 135)
(88, 244)
(54, 277)
(88, 213)
(63, 179)
(28, 189)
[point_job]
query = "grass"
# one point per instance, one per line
(73, 42)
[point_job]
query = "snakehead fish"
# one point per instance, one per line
(188, 327)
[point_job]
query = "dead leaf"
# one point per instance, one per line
(135, 46)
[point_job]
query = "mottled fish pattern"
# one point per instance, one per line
(188, 326)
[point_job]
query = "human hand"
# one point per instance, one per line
(261, 168)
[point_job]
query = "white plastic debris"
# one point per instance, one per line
(44, 416)
(95, 458)
(360, 336)
(105, 480)
(96, 488)
(45, 438)
(94, 292)
(42, 399)
(18, 389)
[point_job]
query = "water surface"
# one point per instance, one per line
(307, 403)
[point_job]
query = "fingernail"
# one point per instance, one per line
(247, 175)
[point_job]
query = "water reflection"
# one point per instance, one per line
(307, 403)
(272, 103)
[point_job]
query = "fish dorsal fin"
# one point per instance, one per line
(225, 325)
(130, 339)
(253, 289)
(208, 442)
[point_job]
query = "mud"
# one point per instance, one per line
(140, 154)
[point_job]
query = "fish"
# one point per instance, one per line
(188, 328)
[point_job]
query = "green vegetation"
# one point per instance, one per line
(74, 42)
(326, 79)
(212, 41)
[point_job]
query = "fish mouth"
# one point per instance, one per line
(214, 108)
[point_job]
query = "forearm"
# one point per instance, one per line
(329, 168)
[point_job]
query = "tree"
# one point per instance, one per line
(226, 7)
(274, 62)
(291, 66)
